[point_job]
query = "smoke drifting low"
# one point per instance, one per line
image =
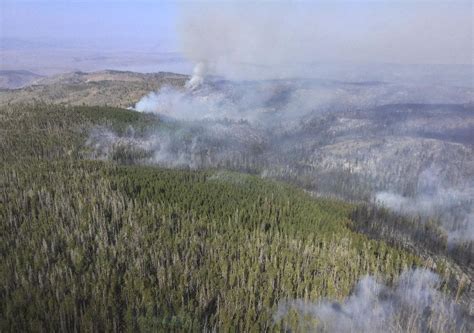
(413, 304)
(282, 128)
(290, 99)
(293, 90)
(453, 206)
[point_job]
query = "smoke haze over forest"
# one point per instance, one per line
(297, 165)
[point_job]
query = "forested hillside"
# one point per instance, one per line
(98, 245)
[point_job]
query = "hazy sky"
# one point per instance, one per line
(384, 31)
(123, 24)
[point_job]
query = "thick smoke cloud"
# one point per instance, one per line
(293, 39)
(193, 105)
(413, 304)
(288, 99)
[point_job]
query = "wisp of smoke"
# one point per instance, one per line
(453, 206)
(413, 304)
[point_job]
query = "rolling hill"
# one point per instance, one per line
(97, 245)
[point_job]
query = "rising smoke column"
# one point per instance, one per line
(287, 39)
(197, 79)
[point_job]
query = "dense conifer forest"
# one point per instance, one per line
(105, 245)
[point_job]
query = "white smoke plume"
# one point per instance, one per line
(197, 79)
(188, 105)
(413, 304)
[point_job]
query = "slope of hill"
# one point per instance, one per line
(11, 79)
(355, 141)
(114, 88)
(95, 245)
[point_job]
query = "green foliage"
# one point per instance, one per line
(119, 120)
(88, 245)
(43, 131)
(414, 232)
(95, 246)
